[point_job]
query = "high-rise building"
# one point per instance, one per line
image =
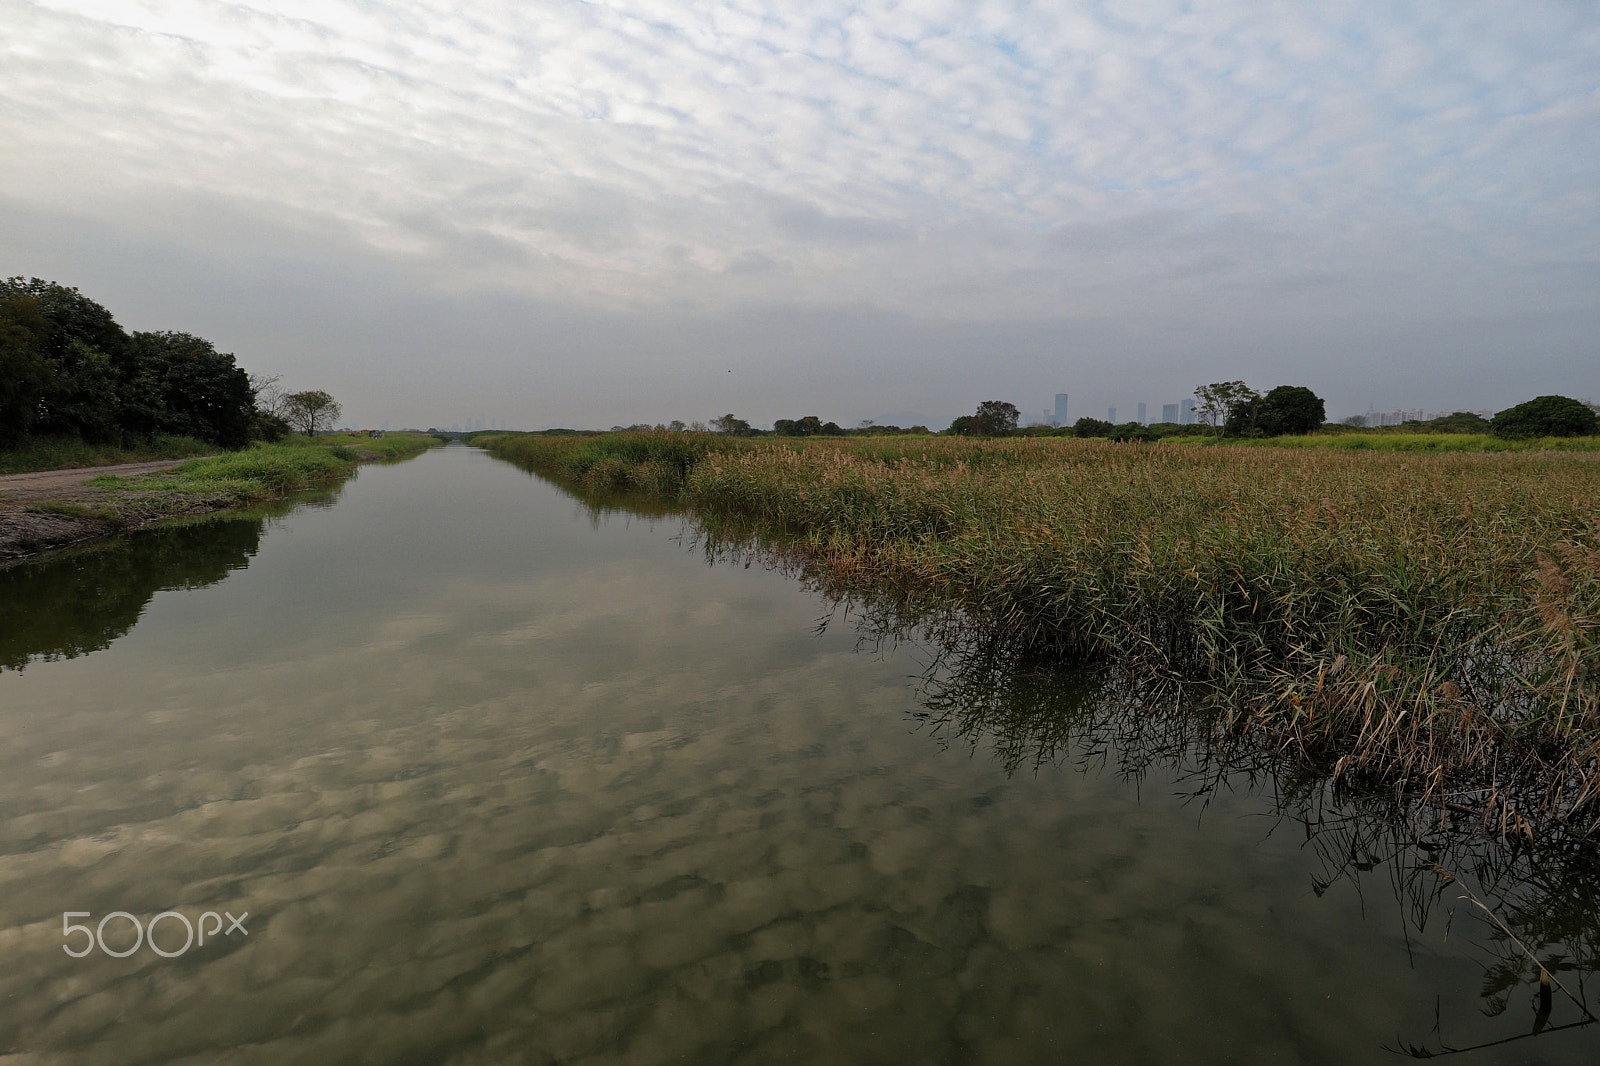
(1061, 408)
(1187, 417)
(1111, 415)
(1142, 419)
(1169, 412)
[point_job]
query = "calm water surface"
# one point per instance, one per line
(500, 779)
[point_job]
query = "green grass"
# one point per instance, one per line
(75, 510)
(1423, 621)
(266, 471)
(388, 446)
(69, 453)
(258, 473)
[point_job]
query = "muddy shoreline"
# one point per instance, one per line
(46, 512)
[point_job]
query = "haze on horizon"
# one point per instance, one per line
(554, 212)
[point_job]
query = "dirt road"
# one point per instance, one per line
(14, 485)
(50, 509)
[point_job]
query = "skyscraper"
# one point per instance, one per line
(1142, 419)
(1061, 408)
(1169, 412)
(1188, 412)
(1111, 415)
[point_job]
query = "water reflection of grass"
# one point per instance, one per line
(1424, 622)
(79, 601)
(1542, 897)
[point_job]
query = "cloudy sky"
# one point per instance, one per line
(551, 212)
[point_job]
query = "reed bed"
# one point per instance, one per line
(1426, 623)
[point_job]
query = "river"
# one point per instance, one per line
(485, 773)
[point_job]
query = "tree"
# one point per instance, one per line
(24, 372)
(1545, 416)
(72, 317)
(1356, 421)
(1215, 402)
(1458, 422)
(184, 386)
(1135, 431)
(312, 412)
(87, 360)
(734, 427)
(809, 426)
(68, 368)
(995, 418)
(1289, 409)
(1092, 427)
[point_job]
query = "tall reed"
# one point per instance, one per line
(1423, 621)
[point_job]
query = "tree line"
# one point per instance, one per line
(1224, 408)
(1234, 409)
(68, 369)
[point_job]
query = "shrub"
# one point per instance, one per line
(1545, 416)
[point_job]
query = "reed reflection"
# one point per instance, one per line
(1528, 897)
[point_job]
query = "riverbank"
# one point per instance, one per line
(1428, 624)
(39, 515)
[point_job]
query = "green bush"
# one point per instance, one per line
(1545, 416)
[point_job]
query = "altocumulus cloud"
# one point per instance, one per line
(1171, 182)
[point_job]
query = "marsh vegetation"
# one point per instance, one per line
(1426, 624)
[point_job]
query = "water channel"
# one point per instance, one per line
(494, 774)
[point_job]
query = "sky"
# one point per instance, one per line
(546, 212)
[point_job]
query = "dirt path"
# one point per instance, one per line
(13, 486)
(46, 510)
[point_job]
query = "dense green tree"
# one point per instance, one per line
(961, 427)
(184, 386)
(24, 372)
(797, 427)
(1092, 427)
(85, 395)
(1136, 431)
(1286, 410)
(1545, 416)
(1458, 422)
(1291, 409)
(86, 356)
(995, 418)
(72, 317)
(68, 368)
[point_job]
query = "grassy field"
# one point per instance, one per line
(69, 453)
(1428, 622)
(1390, 441)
